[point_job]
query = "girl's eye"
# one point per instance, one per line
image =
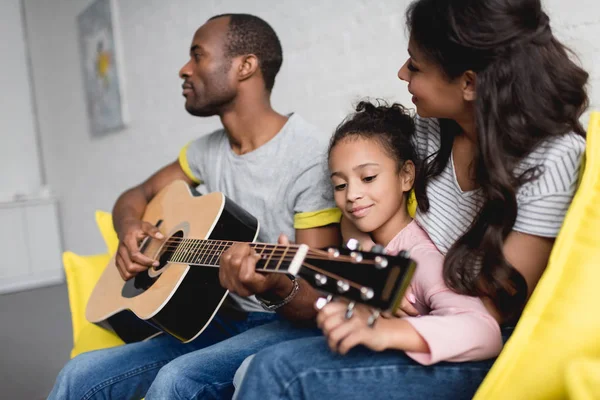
(411, 67)
(340, 187)
(369, 178)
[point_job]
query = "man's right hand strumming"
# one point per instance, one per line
(127, 214)
(129, 259)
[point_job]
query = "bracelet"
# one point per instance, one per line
(274, 305)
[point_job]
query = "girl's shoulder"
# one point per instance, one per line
(417, 242)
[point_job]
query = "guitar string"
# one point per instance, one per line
(171, 243)
(304, 264)
(271, 256)
(200, 249)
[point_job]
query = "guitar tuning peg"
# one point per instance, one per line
(343, 286)
(381, 262)
(404, 253)
(323, 301)
(353, 244)
(356, 257)
(320, 280)
(378, 249)
(366, 293)
(333, 253)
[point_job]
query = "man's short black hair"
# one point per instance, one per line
(249, 34)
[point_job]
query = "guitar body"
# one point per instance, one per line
(173, 297)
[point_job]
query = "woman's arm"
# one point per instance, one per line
(529, 255)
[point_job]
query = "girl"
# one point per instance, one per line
(498, 100)
(372, 163)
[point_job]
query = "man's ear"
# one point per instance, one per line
(247, 67)
(469, 86)
(407, 176)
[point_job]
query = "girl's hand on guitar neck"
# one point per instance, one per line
(237, 273)
(129, 258)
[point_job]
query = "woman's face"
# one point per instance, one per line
(434, 95)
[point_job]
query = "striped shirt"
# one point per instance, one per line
(541, 203)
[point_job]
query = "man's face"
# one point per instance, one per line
(209, 81)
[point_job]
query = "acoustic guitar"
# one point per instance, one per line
(182, 295)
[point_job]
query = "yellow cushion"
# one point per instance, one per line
(561, 320)
(82, 273)
(105, 225)
(583, 379)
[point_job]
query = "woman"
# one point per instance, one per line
(498, 100)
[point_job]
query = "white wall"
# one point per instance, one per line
(332, 56)
(19, 158)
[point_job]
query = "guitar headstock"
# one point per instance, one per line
(378, 280)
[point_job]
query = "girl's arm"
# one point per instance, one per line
(387, 333)
(458, 328)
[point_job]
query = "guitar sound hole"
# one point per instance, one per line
(168, 249)
(143, 280)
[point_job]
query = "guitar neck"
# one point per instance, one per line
(375, 279)
(273, 258)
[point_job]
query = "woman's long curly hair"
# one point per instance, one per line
(527, 90)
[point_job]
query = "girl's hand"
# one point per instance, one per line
(345, 333)
(407, 306)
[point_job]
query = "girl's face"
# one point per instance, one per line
(368, 187)
(433, 94)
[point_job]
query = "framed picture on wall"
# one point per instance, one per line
(102, 69)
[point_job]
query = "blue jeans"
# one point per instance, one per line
(306, 369)
(164, 368)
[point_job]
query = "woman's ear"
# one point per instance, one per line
(247, 67)
(469, 86)
(407, 176)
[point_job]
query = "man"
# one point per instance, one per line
(270, 164)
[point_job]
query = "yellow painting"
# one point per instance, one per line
(101, 71)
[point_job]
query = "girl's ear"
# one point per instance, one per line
(407, 176)
(469, 81)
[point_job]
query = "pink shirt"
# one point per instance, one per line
(456, 327)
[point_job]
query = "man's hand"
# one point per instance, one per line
(237, 272)
(129, 259)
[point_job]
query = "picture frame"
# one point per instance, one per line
(102, 67)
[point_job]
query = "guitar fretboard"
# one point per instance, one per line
(208, 252)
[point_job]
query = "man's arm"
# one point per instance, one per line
(238, 274)
(127, 214)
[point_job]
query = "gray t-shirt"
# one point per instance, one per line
(284, 183)
(541, 203)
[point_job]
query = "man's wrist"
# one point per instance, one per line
(280, 290)
(121, 224)
(279, 295)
